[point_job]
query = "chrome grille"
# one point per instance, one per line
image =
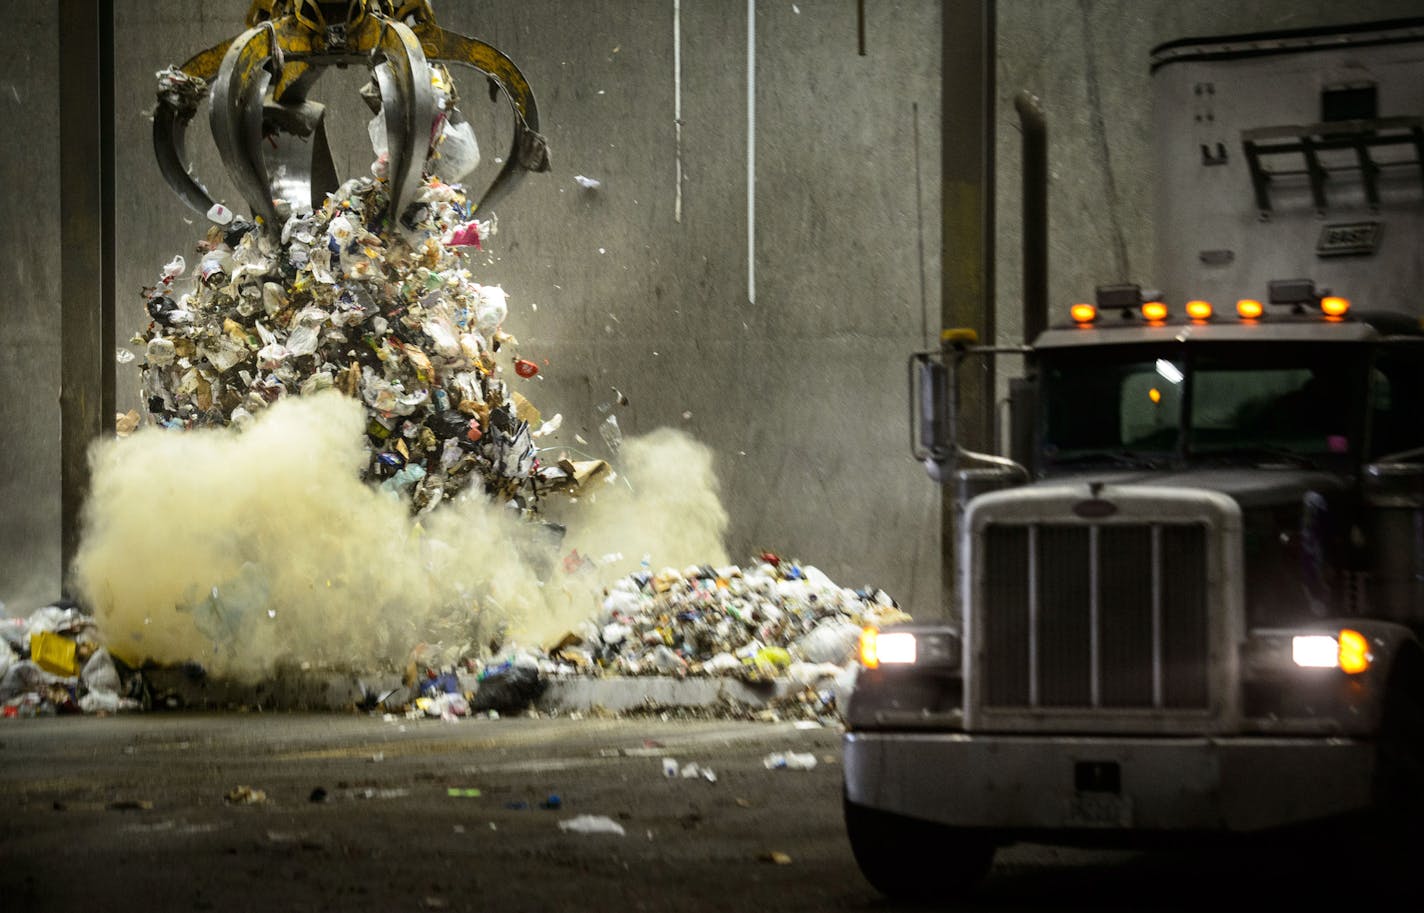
(1095, 616)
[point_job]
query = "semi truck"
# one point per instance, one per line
(1190, 589)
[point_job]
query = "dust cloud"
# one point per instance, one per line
(248, 549)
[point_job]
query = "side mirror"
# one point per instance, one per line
(931, 417)
(934, 396)
(934, 411)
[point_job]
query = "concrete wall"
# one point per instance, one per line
(29, 308)
(800, 391)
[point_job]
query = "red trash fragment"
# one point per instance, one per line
(474, 433)
(574, 562)
(525, 368)
(467, 235)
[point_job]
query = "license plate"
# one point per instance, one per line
(1099, 810)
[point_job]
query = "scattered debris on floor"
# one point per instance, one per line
(592, 824)
(790, 760)
(245, 795)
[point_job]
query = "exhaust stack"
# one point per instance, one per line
(1035, 215)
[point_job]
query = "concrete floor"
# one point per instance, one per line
(129, 813)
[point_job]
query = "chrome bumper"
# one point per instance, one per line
(1125, 784)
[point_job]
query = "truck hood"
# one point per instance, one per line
(1250, 488)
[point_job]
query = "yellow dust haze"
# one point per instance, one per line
(663, 508)
(244, 550)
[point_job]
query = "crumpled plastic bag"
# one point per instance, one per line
(101, 702)
(592, 824)
(15, 633)
(55, 620)
(8, 657)
(456, 151)
(24, 678)
(446, 706)
(831, 641)
(100, 673)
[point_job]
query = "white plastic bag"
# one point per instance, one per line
(592, 824)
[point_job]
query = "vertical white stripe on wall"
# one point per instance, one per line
(677, 105)
(751, 151)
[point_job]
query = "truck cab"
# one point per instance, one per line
(1191, 595)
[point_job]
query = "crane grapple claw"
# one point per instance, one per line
(272, 138)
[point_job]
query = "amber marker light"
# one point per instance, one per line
(1154, 311)
(1354, 655)
(1335, 307)
(1199, 310)
(869, 652)
(1083, 313)
(1249, 309)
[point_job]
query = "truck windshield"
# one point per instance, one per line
(1291, 402)
(1140, 406)
(1125, 409)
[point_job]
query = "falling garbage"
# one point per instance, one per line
(343, 301)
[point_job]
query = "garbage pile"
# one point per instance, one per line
(53, 662)
(389, 314)
(775, 620)
(776, 617)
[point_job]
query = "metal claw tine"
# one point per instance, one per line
(528, 150)
(297, 154)
(236, 120)
(408, 103)
(176, 109)
(169, 129)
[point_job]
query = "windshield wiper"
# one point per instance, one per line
(1119, 457)
(1260, 454)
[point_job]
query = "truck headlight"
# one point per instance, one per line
(895, 647)
(909, 648)
(1349, 651)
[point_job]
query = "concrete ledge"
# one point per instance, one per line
(620, 694)
(301, 691)
(344, 691)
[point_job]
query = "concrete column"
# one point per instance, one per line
(86, 206)
(967, 252)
